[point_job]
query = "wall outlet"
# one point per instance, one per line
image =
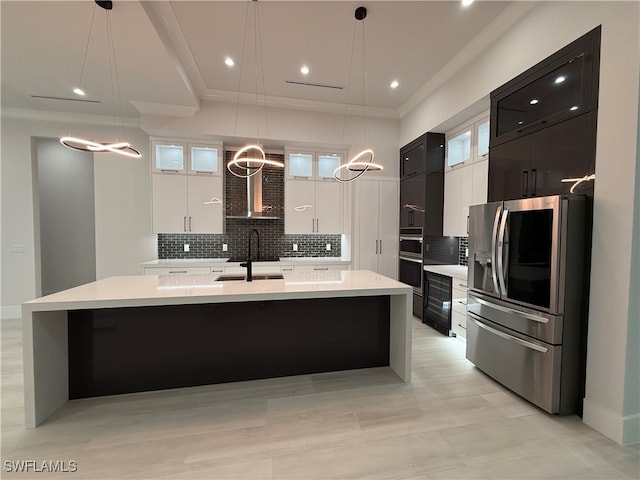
(295, 247)
(186, 247)
(328, 247)
(224, 247)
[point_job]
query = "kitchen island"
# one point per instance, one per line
(139, 333)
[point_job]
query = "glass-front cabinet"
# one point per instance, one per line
(459, 149)
(169, 156)
(312, 165)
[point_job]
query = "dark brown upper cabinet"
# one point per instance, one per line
(422, 183)
(543, 125)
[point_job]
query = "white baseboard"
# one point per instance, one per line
(623, 430)
(10, 311)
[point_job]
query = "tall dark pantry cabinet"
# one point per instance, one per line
(421, 205)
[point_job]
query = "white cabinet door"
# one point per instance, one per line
(168, 156)
(388, 229)
(299, 206)
(480, 182)
(328, 207)
(368, 225)
(169, 203)
(377, 248)
(457, 198)
(205, 204)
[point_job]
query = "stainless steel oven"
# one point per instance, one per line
(410, 262)
(410, 272)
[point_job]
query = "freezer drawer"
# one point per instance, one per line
(532, 323)
(530, 368)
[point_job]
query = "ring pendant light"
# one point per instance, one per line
(255, 159)
(86, 145)
(363, 161)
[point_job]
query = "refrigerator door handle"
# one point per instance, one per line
(494, 239)
(511, 338)
(528, 316)
(501, 247)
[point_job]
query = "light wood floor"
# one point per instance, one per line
(451, 422)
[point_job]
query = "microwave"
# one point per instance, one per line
(411, 242)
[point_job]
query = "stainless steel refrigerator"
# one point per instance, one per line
(527, 304)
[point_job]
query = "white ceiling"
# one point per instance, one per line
(170, 55)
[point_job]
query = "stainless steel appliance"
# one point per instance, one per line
(410, 264)
(526, 306)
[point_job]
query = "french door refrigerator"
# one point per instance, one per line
(526, 306)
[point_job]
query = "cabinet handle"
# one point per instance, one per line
(184, 224)
(189, 223)
(380, 246)
(177, 271)
(376, 247)
(317, 269)
(166, 170)
(317, 225)
(467, 225)
(462, 326)
(313, 225)
(213, 270)
(525, 183)
(287, 269)
(534, 180)
(463, 285)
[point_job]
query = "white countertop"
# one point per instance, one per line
(455, 271)
(142, 290)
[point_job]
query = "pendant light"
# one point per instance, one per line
(362, 162)
(86, 145)
(251, 159)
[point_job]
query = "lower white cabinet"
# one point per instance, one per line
(187, 203)
(176, 270)
(463, 186)
(459, 307)
(377, 247)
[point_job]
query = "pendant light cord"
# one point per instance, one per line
(86, 48)
(244, 41)
(353, 46)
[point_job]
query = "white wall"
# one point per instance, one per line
(611, 404)
(122, 205)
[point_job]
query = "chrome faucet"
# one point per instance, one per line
(248, 262)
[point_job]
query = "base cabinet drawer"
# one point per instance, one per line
(176, 270)
(459, 323)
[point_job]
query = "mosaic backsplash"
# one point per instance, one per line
(464, 245)
(273, 241)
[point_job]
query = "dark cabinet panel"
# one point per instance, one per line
(534, 165)
(565, 150)
(413, 159)
(412, 201)
(434, 203)
(508, 170)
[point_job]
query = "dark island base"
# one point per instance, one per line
(136, 349)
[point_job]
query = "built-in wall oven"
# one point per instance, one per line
(410, 264)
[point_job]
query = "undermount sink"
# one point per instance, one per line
(255, 276)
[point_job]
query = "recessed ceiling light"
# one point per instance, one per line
(574, 108)
(304, 70)
(229, 62)
(533, 101)
(520, 122)
(79, 91)
(466, 3)
(394, 84)
(560, 79)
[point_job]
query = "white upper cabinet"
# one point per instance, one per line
(187, 183)
(481, 129)
(182, 156)
(313, 199)
(467, 173)
(300, 164)
(205, 159)
(169, 156)
(311, 165)
(459, 149)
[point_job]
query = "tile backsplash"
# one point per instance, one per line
(462, 255)
(273, 241)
